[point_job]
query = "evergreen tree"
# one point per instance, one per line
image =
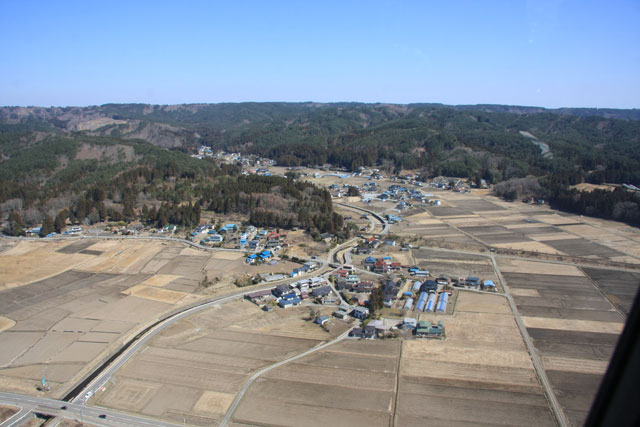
(47, 226)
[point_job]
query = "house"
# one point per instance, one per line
(273, 236)
(253, 245)
(488, 285)
(273, 244)
(322, 291)
(369, 262)
(356, 333)
(321, 320)
(330, 299)
(381, 267)
(260, 296)
(345, 307)
(265, 255)
(273, 277)
(391, 289)
(360, 313)
(363, 287)
(353, 278)
(327, 236)
(35, 231)
(363, 250)
(473, 282)
(341, 273)
(216, 238)
(340, 314)
(396, 266)
(281, 290)
(378, 326)
(369, 332)
(314, 282)
(251, 259)
(286, 303)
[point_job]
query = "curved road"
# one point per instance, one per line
(74, 411)
(250, 381)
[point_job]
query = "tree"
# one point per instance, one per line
(47, 226)
(353, 192)
(376, 300)
(14, 225)
(60, 222)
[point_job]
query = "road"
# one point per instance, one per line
(74, 411)
(246, 386)
(551, 396)
(385, 224)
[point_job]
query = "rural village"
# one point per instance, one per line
(445, 292)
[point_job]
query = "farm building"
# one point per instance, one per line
(442, 303)
(409, 323)
(426, 329)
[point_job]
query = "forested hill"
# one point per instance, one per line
(55, 179)
(594, 145)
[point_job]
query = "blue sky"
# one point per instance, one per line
(549, 53)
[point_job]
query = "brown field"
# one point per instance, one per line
(355, 379)
(210, 354)
(7, 412)
(72, 310)
(483, 355)
(573, 327)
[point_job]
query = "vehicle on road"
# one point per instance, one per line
(102, 416)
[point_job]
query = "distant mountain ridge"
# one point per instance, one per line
(465, 140)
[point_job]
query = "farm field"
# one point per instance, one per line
(574, 329)
(481, 374)
(356, 379)
(205, 359)
(59, 317)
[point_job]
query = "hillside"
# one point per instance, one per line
(51, 155)
(58, 178)
(589, 144)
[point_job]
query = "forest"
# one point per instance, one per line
(55, 182)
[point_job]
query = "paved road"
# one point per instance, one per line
(73, 412)
(551, 396)
(385, 224)
(246, 386)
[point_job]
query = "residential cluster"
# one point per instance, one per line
(292, 294)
